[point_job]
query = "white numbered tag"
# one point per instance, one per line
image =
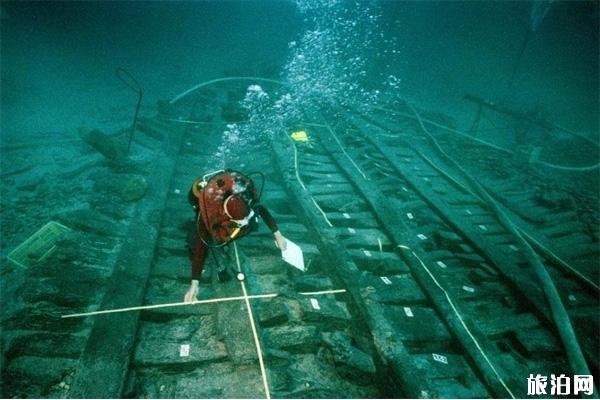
(315, 304)
(386, 280)
(440, 358)
(184, 350)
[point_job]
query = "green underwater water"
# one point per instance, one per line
(58, 59)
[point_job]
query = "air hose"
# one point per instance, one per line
(227, 79)
(559, 314)
(132, 84)
(565, 168)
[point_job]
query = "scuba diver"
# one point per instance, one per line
(226, 206)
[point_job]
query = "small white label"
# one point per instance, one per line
(468, 289)
(572, 298)
(421, 236)
(386, 280)
(513, 247)
(346, 215)
(408, 312)
(367, 253)
(177, 191)
(483, 227)
(184, 350)
(440, 358)
(441, 264)
(352, 230)
(315, 304)
(469, 212)
(409, 215)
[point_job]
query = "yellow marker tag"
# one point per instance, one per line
(300, 136)
(234, 233)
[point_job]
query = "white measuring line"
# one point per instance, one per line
(460, 319)
(180, 304)
(346, 154)
(253, 326)
(322, 212)
(304, 187)
(219, 300)
(323, 292)
(296, 165)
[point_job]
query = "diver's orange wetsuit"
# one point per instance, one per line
(226, 209)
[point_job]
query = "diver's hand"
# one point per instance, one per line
(280, 241)
(192, 292)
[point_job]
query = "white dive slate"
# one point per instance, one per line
(293, 255)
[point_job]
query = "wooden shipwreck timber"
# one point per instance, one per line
(415, 286)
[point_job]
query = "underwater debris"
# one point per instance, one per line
(135, 188)
(104, 144)
(39, 245)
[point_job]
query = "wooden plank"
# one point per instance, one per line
(104, 363)
(355, 219)
(508, 263)
(560, 230)
(322, 168)
(396, 228)
(330, 188)
(402, 375)
(394, 289)
(169, 344)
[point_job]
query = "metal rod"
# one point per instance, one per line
(132, 84)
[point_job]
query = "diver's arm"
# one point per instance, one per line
(267, 217)
(270, 221)
(190, 295)
(279, 240)
(198, 258)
